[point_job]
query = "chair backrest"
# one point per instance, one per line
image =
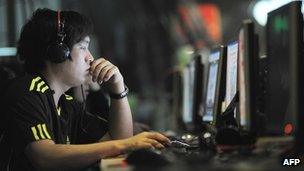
(6, 75)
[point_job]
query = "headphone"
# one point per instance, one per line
(58, 51)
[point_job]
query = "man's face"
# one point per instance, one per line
(78, 68)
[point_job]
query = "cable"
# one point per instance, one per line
(88, 114)
(84, 108)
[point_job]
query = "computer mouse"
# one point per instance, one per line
(147, 157)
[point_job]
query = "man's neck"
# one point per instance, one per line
(56, 84)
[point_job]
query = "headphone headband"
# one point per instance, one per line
(58, 51)
(58, 21)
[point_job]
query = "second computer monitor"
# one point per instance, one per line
(232, 69)
(214, 95)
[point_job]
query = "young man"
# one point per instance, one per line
(43, 124)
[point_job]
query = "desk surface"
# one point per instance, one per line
(119, 165)
(219, 162)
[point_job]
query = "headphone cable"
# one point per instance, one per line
(84, 109)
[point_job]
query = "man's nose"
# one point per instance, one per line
(89, 57)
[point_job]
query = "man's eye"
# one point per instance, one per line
(83, 48)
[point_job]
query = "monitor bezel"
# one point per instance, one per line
(250, 61)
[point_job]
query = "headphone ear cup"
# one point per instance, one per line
(58, 52)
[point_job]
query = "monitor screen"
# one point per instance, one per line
(231, 73)
(282, 43)
(188, 82)
(211, 87)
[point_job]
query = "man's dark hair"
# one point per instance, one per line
(41, 31)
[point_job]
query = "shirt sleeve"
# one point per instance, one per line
(30, 120)
(90, 127)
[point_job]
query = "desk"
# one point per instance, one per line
(257, 161)
(116, 165)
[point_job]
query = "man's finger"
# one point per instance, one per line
(110, 73)
(103, 72)
(95, 63)
(159, 137)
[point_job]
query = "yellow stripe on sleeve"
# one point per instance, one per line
(39, 85)
(40, 131)
(34, 131)
(44, 89)
(45, 131)
(68, 97)
(34, 82)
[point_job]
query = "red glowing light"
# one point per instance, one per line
(288, 128)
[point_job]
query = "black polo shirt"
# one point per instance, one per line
(31, 115)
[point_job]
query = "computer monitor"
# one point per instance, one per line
(232, 69)
(188, 90)
(248, 80)
(198, 91)
(176, 99)
(285, 77)
(214, 95)
(192, 89)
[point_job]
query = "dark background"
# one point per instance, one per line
(142, 37)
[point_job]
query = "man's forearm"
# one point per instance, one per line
(120, 119)
(45, 155)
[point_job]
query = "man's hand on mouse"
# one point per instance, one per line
(103, 71)
(145, 140)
